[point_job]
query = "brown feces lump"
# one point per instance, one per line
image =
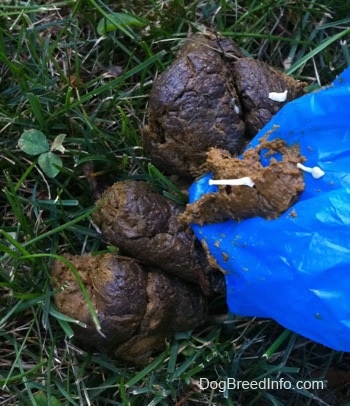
(255, 83)
(276, 185)
(138, 308)
(144, 225)
(193, 105)
(210, 96)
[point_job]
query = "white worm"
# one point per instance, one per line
(235, 107)
(316, 172)
(279, 97)
(246, 181)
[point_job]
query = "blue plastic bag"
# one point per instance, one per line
(296, 269)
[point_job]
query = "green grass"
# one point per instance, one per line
(60, 76)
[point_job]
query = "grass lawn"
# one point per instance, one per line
(81, 76)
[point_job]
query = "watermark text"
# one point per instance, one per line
(263, 384)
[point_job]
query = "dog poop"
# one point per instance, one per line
(191, 108)
(210, 96)
(276, 185)
(144, 225)
(138, 307)
(255, 83)
(202, 112)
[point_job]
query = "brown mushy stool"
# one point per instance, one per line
(276, 186)
(138, 308)
(145, 225)
(210, 96)
(254, 81)
(193, 105)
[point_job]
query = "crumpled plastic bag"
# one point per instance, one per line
(296, 268)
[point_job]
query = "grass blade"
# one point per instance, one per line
(317, 50)
(79, 282)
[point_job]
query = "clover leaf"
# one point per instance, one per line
(34, 142)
